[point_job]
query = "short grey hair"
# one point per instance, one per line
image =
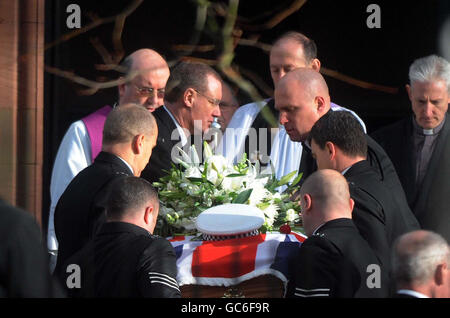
(415, 260)
(127, 121)
(430, 68)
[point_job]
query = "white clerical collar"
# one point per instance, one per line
(412, 293)
(128, 165)
(428, 132)
(179, 128)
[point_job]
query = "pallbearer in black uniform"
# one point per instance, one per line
(124, 259)
(23, 260)
(419, 145)
(129, 136)
(335, 261)
(338, 142)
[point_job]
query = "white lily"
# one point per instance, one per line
(194, 156)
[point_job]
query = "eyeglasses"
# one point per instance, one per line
(214, 101)
(150, 92)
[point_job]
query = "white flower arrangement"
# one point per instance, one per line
(190, 188)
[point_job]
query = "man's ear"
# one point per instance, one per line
(315, 65)
(307, 202)
(138, 143)
(439, 274)
(331, 149)
(352, 204)
(148, 214)
(320, 104)
(189, 97)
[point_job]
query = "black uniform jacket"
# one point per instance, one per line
(81, 209)
(337, 262)
(24, 268)
(379, 218)
(430, 201)
(125, 260)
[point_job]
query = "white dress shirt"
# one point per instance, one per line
(74, 154)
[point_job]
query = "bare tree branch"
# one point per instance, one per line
(357, 82)
(278, 18)
(97, 22)
(229, 37)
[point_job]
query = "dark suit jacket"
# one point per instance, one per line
(125, 260)
(378, 217)
(161, 154)
(430, 202)
(378, 160)
(24, 268)
(81, 208)
(334, 262)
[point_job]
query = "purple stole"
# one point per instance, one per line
(94, 125)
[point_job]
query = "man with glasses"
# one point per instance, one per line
(191, 104)
(144, 80)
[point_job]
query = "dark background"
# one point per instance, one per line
(409, 30)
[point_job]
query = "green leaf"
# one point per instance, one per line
(195, 180)
(263, 206)
(205, 171)
(243, 196)
(297, 179)
(286, 178)
(234, 175)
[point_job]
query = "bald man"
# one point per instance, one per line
(302, 97)
(335, 261)
(250, 132)
(421, 265)
(145, 76)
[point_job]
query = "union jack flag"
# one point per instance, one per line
(230, 262)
